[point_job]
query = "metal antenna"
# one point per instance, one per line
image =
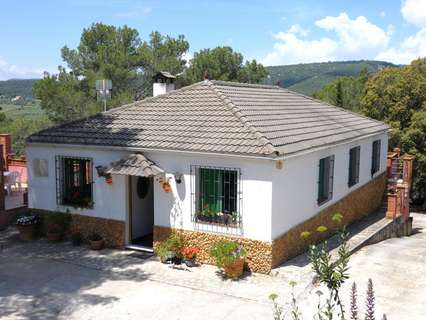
(103, 91)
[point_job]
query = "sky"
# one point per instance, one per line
(272, 32)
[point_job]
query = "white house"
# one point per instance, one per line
(255, 163)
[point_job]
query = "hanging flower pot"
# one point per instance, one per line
(108, 179)
(167, 187)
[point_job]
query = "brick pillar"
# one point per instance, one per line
(6, 142)
(392, 206)
(407, 169)
(2, 194)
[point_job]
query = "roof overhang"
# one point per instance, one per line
(134, 164)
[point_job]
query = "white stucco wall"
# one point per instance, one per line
(174, 209)
(295, 187)
(273, 200)
(170, 209)
(109, 200)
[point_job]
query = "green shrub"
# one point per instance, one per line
(174, 243)
(226, 252)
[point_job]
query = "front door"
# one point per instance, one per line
(142, 211)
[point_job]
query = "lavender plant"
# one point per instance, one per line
(370, 302)
(354, 305)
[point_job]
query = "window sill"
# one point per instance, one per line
(217, 228)
(323, 201)
(68, 205)
(230, 225)
(350, 185)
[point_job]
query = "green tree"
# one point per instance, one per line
(160, 53)
(398, 97)
(345, 92)
(107, 52)
(339, 94)
(222, 63)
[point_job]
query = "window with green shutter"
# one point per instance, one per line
(325, 179)
(375, 157)
(74, 181)
(217, 195)
(354, 159)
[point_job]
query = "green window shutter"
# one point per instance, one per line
(375, 161)
(354, 162)
(358, 163)
(321, 180)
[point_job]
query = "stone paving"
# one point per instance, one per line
(42, 280)
(256, 287)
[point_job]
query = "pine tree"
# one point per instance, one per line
(339, 94)
(369, 303)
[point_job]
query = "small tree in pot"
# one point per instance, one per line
(96, 241)
(230, 256)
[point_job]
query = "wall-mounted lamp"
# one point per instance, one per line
(101, 171)
(178, 177)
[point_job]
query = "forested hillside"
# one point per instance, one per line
(311, 77)
(17, 87)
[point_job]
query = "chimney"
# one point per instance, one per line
(163, 82)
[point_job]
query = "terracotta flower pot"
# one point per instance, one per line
(26, 233)
(234, 269)
(53, 236)
(96, 244)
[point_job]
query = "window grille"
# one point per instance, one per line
(354, 159)
(375, 157)
(325, 180)
(216, 199)
(74, 181)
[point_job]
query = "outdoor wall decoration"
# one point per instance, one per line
(101, 170)
(165, 184)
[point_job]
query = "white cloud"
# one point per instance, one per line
(8, 71)
(349, 39)
(355, 35)
(414, 12)
(290, 49)
(382, 14)
(411, 48)
(297, 29)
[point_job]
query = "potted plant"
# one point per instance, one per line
(96, 241)
(230, 256)
(26, 226)
(76, 238)
(170, 250)
(53, 232)
(189, 254)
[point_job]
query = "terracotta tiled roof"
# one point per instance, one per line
(219, 117)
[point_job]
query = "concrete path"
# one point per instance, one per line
(41, 280)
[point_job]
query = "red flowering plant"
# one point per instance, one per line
(190, 253)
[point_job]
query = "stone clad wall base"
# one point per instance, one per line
(112, 231)
(353, 207)
(262, 256)
(259, 253)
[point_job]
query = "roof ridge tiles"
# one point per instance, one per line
(269, 147)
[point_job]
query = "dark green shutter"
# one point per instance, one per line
(321, 180)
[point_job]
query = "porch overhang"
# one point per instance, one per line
(134, 164)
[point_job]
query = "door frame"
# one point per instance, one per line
(130, 206)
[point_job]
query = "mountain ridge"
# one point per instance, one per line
(308, 78)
